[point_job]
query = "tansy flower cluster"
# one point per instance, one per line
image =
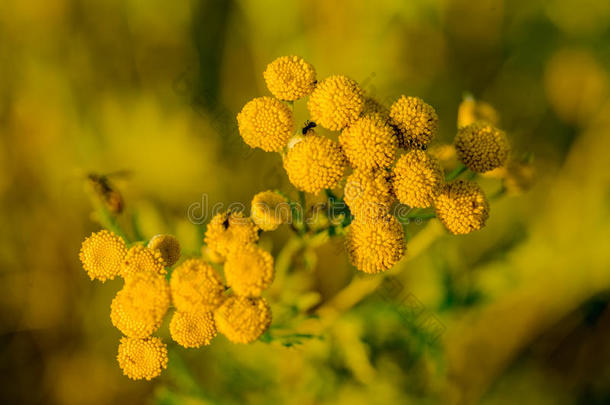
(385, 148)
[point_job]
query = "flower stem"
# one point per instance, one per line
(456, 172)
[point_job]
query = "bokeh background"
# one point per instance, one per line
(150, 89)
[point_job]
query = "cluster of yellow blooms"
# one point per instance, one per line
(386, 148)
(202, 302)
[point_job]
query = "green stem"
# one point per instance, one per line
(456, 172)
(109, 222)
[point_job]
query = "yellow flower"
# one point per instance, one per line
(369, 143)
(315, 163)
(142, 358)
(242, 319)
(368, 194)
(139, 307)
(270, 210)
(375, 245)
(266, 123)
(249, 270)
(481, 147)
(471, 110)
(416, 120)
(192, 329)
(140, 259)
(462, 207)
(418, 177)
(168, 246)
(290, 78)
(229, 230)
(196, 286)
(102, 255)
(336, 102)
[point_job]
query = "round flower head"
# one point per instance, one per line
(140, 259)
(102, 255)
(192, 329)
(249, 270)
(142, 358)
(269, 210)
(336, 102)
(471, 110)
(368, 194)
(242, 319)
(168, 246)
(139, 307)
(375, 245)
(266, 123)
(315, 163)
(418, 177)
(196, 286)
(229, 230)
(369, 143)
(481, 147)
(290, 78)
(462, 207)
(416, 120)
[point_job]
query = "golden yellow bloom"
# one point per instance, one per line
(168, 246)
(369, 143)
(242, 319)
(270, 210)
(336, 102)
(418, 177)
(266, 123)
(192, 329)
(229, 230)
(142, 358)
(196, 286)
(416, 120)
(139, 307)
(375, 245)
(462, 207)
(368, 194)
(290, 78)
(249, 270)
(481, 147)
(140, 259)
(471, 110)
(102, 255)
(315, 163)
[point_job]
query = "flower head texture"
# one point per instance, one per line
(368, 193)
(242, 319)
(471, 110)
(140, 259)
(249, 270)
(142, 358)
(315, 163)
(373, 106)
(139, 307)
(418, 177)
(102, 255)
(462, 207)
(192, 329)
(270, 210)
(336, 102)
(229, 230)
(168, 246)
(369, 143)
(375, 245)
(416, 120)
(266, 123)
(481, 147)
(196, 286)
(290, 78)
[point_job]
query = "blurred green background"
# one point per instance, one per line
(152, 88)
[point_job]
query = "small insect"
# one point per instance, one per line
(308, 125)
(111, 197)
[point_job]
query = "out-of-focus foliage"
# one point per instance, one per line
(151, 90)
